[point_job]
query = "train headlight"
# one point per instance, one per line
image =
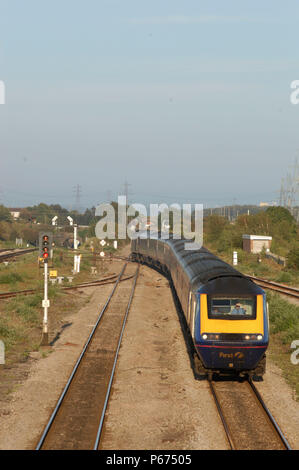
(255, 337)
(204, 336)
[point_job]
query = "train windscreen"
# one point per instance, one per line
(232, 308)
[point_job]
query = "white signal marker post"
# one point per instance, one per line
(76, 262)
(46, 305)
(54, 220)
(75, 237)
(77, 259)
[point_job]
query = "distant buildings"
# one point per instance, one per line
(15, 213)
(267, 204)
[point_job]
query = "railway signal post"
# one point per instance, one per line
(76, 243)
(45, 246)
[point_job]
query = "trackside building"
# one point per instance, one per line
(256, 243)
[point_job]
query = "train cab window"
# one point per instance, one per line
(232, 308)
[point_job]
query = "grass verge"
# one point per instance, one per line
(284, 329)
(21, 321)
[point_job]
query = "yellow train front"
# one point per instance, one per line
(231, 331)
(225, 312)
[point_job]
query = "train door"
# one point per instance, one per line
(191, 322)
(189, 308)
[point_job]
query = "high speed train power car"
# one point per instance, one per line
(225, 311)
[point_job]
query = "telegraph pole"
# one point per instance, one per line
(126, 191)
(78, 192)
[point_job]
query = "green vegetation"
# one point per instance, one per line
(21, 321)
(10, 278)
(8, 333)
(284, 318)
(293, 258)
(277, 222)
(223, 237)
(284, 277)
(5, 214)
(36, 218)
(284, 328)
(9, 231)
(43, 214)
(21, 317)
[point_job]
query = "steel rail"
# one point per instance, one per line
(9, 295)
(52, 418)
(96, 283)
(17, 250)
(221, 414)
(261, 402)
(99, 433)
(99, 282)
(4, 256)
(281, 288)
(270, 416)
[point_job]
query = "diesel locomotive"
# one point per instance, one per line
(226, 312)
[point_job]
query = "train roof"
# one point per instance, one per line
(202, 265)
(204, 269)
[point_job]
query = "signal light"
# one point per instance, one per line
(45, 246)
(45, 243)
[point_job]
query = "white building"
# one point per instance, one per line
(15, 213)
(256, 243)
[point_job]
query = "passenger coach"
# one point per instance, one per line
(225, 311)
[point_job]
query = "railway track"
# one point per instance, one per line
(98, 282)
(12, 253)
(248, 423)
(281, 288)
(78, 418)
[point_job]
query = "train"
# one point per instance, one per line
(225, 312)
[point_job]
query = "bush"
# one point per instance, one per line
(27, 307)
(9, 334)
(5, 214)
(10, 278)
(284, 318)
(213, 227)
(284, 277)
(293, 258)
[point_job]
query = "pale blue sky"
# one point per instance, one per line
(188, 101)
